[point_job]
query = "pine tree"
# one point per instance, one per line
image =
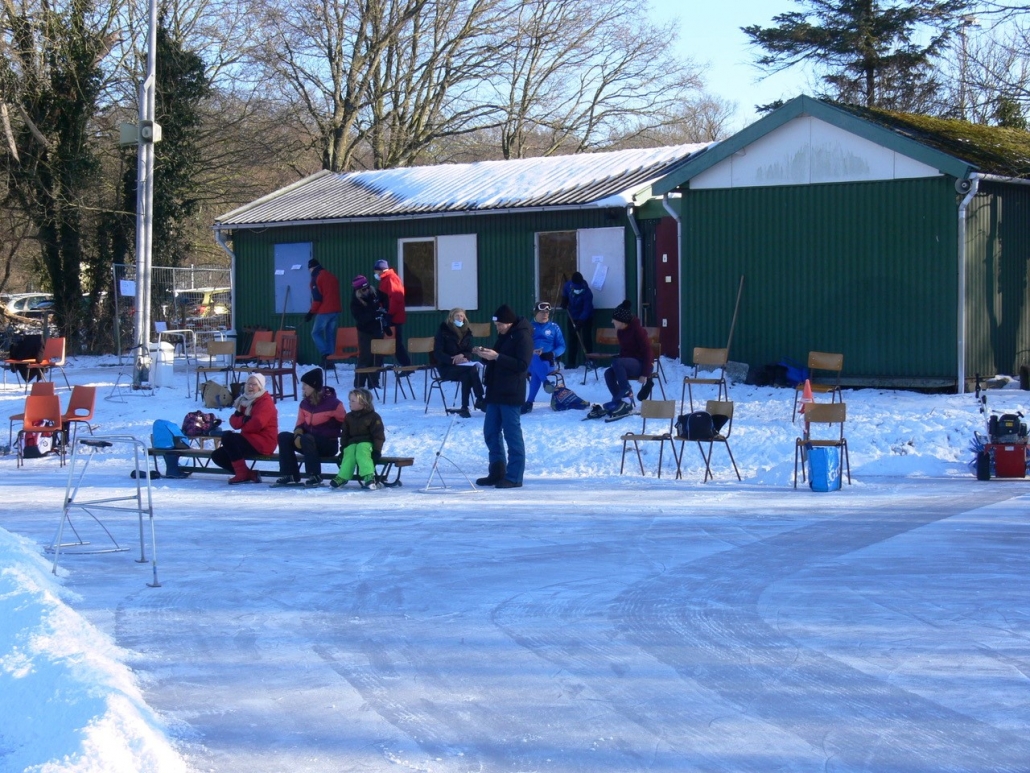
(867, 48)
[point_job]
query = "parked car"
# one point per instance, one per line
(30, 304)
(204, 303)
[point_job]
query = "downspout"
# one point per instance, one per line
(972, 183)
(220, 241)
(679, 266)
(640, 255)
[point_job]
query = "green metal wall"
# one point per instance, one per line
(507, 254)
(998, 261)
(867, 269)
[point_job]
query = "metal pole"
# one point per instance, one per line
(145, 207)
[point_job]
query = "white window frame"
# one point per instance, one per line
(455, 268)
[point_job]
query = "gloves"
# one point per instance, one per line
(296, 438)
(309, 316)
(376, 457)
(547, 357)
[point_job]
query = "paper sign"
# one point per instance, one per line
(456, 265)
(600, 273)
(280, 272)
(597, 259)
(127, 287)
(295, 267)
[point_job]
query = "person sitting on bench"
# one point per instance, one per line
(317, 434)
(362, 440)
(257, 421)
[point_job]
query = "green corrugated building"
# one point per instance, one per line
(899, 240)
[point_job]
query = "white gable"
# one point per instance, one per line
(806, 151)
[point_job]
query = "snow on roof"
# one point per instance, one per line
(582, 180)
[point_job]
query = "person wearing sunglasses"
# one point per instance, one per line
(548, 345)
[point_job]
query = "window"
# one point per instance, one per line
(418, 262)
(599, 254)
(439, 273)
(556, 262)
(292, 277)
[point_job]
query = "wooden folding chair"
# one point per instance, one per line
(706, 360)
(481, 329)
(417, 347)
(651, 410)
(346, 349)
(603, 336)
(42, 414)
(436, 381)
(824, 369)
(716, 408)
(52, 357)
(284, 364)
(80, 409)
(216, 350)
(37, 388)
(381, 347)
(821, 413)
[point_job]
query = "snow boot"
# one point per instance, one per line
(243, 473)
(497, 472)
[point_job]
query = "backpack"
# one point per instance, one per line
(695, 426)
(215, 395)
(199, 423)
(167, 435)
(37, 444)
(564, 399)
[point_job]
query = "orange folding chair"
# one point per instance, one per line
(52, 357)
(38, 388)
(42, 414)
(80, 410)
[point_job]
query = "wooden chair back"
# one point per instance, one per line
(421, 345)
(265, 350)
(480, 329)
(384, 347)
(710, 358)
(258, 337)
(606, 336)
(826, 413)
(829, 361)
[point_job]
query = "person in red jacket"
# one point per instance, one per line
(257, 421)
(325, 309)
(392, 287)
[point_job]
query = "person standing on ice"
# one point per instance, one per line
(578, 299)
(392, 287)
(505, 378)
(325, 309)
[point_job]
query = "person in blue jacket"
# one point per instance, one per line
(548, 345)
(578, 300)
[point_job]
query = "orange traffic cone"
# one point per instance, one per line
(806, 396)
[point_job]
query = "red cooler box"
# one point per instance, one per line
(1009, 459)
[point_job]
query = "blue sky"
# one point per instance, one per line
(710, 32)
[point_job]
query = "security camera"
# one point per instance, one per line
(963, 185)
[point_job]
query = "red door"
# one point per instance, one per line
(667, 296)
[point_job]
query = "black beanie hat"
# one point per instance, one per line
(313, 262)
(313, 378)
(622, 313)
(505, 314)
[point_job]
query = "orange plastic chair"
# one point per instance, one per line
(42, 414)
(80, 410)
(52, 357)
(37, 388)
(346, 348)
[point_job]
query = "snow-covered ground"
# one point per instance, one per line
(586, 622)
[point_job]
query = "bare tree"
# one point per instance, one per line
(575, 75)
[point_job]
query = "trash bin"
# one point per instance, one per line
(162, 356)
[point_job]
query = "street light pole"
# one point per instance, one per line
(148, 133)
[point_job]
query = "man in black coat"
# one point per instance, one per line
(505, 378)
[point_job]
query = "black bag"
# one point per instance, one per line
(695, 426)
(199, 423)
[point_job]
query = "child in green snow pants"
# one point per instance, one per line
(362, 439)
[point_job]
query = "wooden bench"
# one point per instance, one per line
(386, 467)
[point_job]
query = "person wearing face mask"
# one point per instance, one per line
(452, 352)
(392, 287)
(369, 308)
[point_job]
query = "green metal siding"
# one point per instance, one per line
(998, 262)
(867, 269)
(507, 255)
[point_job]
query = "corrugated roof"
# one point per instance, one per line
(583, 180)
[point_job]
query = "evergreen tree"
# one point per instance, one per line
(868, 48)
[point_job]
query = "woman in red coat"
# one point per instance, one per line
(257, 420)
